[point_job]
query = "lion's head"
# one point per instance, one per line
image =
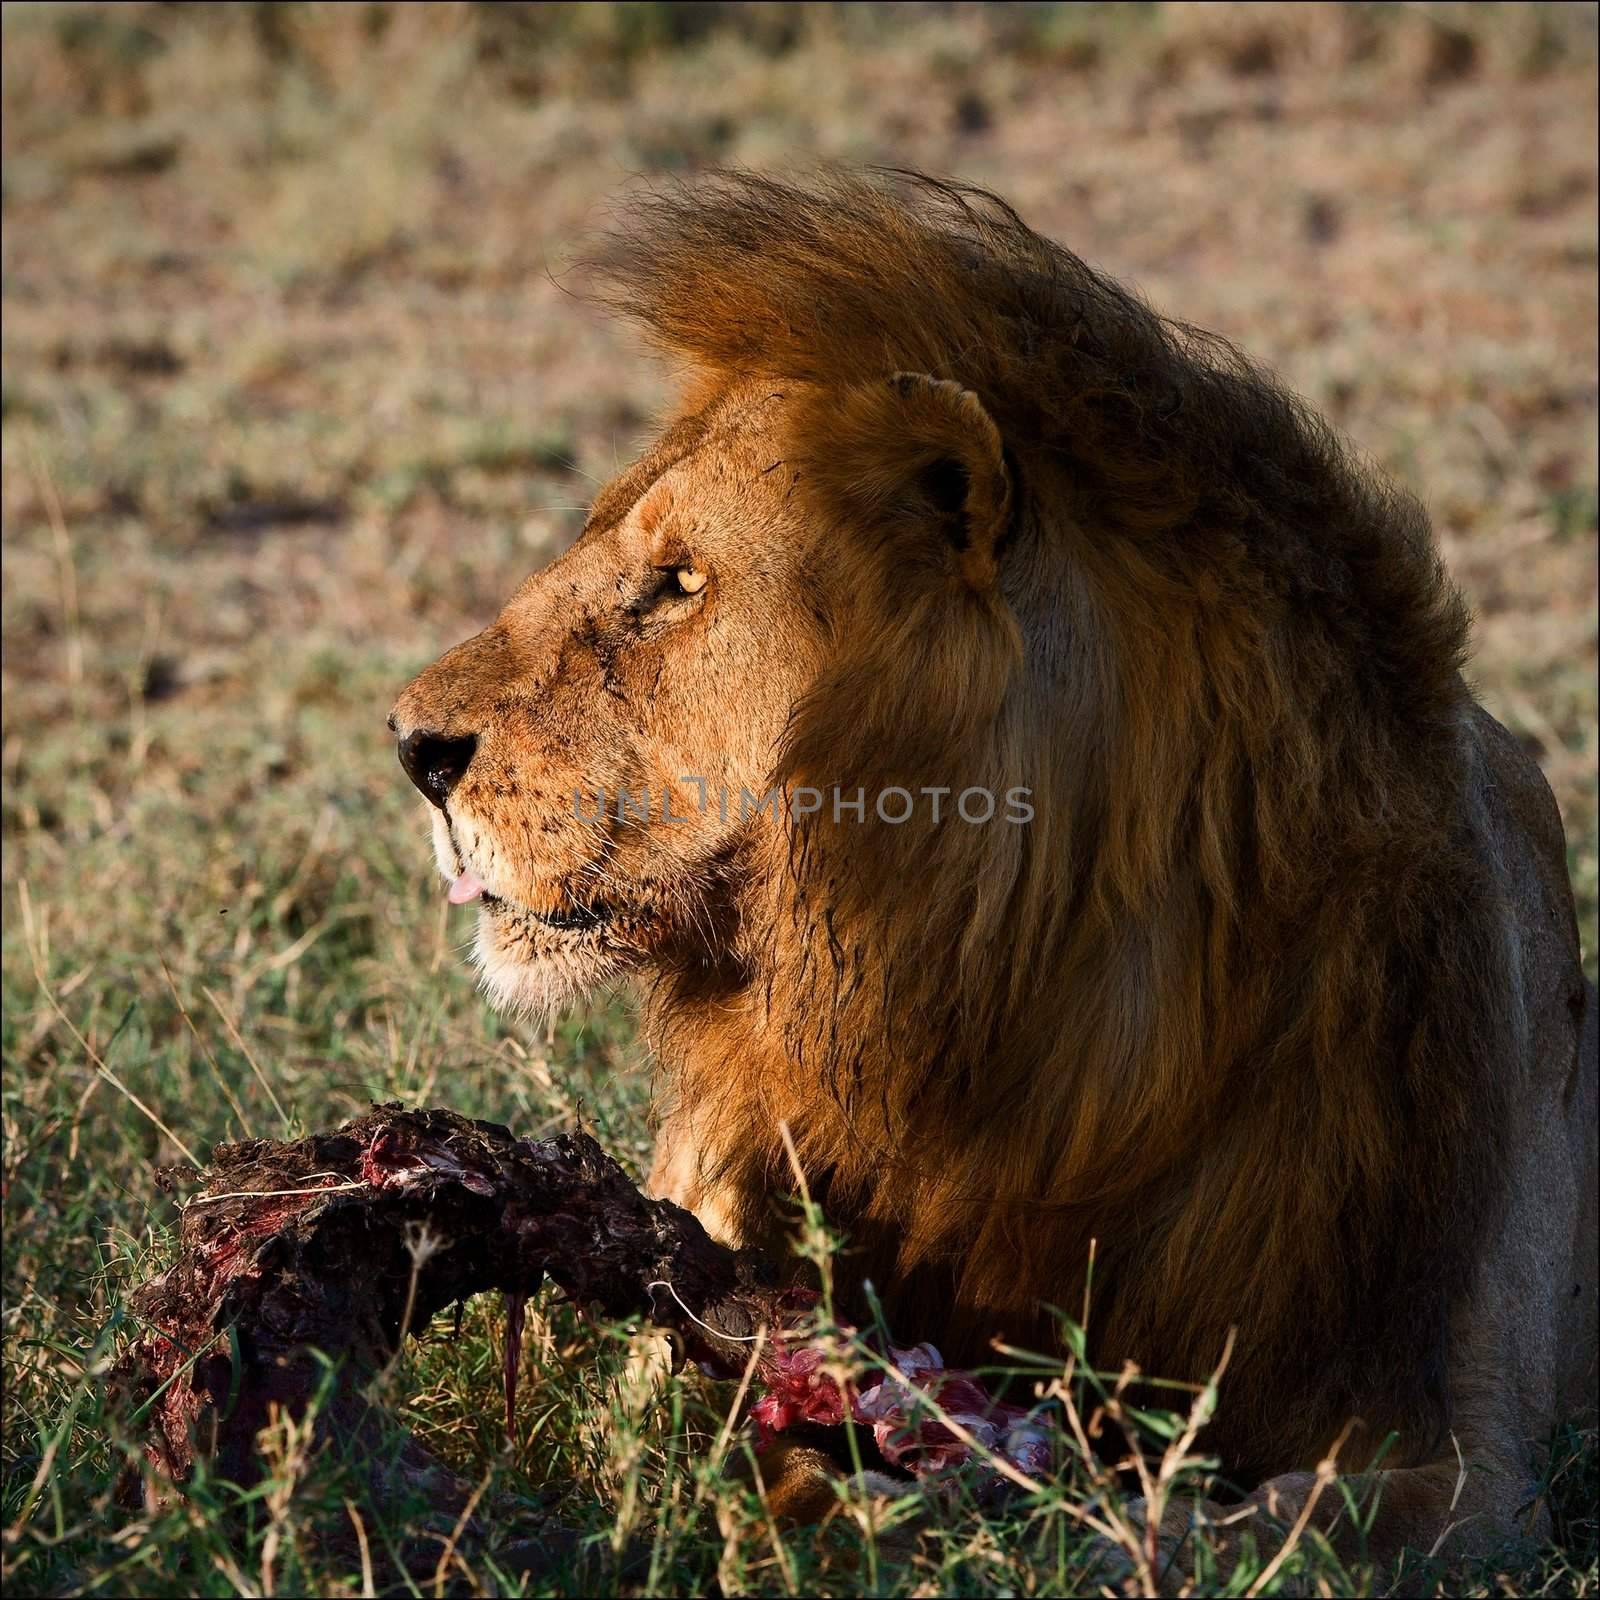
(945, 513)
(603, 761)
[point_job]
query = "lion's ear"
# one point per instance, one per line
(956, 463)
(927, 444)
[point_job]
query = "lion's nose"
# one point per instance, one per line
(435, 762)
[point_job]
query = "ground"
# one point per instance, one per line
(296, 390)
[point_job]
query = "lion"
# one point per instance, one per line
(1253, 970)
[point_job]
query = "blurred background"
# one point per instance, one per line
(295, 393)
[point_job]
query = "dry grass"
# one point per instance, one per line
(293, 396)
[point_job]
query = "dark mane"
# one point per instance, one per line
(1227, 1007)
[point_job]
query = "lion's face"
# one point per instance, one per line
(576, 753)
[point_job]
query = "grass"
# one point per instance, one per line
(293, 396)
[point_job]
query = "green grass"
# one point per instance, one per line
(293, 397)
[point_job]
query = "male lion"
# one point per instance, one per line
(1274, 997)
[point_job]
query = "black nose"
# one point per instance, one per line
(435, 762)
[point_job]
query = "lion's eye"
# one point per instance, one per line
(671, 584)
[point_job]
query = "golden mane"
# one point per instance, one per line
(1225, 660)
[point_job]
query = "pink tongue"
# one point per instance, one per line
(466, 887)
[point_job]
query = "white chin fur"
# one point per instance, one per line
(443, 851)
(527, 970)
(523, 982)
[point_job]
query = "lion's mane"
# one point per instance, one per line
(1223, 1015)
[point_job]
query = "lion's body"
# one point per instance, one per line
(1273, 1006)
